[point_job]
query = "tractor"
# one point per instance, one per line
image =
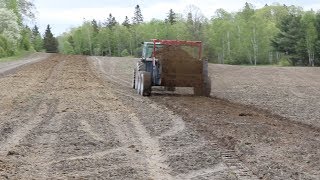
(171, 64)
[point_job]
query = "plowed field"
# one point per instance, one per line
(78, 117)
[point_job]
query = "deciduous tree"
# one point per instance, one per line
(36, 39)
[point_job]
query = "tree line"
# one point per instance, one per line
(273, 34)
(16, 35)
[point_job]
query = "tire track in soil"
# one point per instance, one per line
(110, 76)
(36, 114)
(147, 159)
(34, 111)
(131, 133)
(230, 163)
(41, 145)
(35, 149)
(157, 168)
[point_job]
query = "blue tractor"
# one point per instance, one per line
(171, 64)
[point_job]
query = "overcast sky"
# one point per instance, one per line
(64, 14)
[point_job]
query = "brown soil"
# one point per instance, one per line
(68, 117)
(249, 140)
(174, 53)
(291, 92)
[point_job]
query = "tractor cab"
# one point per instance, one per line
(148, 50)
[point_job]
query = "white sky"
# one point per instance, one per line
(64, 14)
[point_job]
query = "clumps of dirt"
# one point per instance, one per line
(229, 142)
(173, 53)
(177, 61)
(5, 169)
(245, 114)
(12, 153)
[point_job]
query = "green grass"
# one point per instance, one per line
(16, 57)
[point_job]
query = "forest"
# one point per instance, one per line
(15, 35)
(275, 34)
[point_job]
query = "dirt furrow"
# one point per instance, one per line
(247, 142)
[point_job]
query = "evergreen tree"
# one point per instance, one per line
(137, 18)
(189, 18)
(290, 39)
(126, 22)
(35, 31)
(171, 17)
(49, 41)
(95, 26)
(111, 21)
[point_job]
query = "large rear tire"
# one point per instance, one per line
(198, 91)
(170, 88)
(205, 88)
(145, 84)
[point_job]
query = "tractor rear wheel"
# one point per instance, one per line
(198, 91)
(170, 88)
(205, 88)
(145, 84)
